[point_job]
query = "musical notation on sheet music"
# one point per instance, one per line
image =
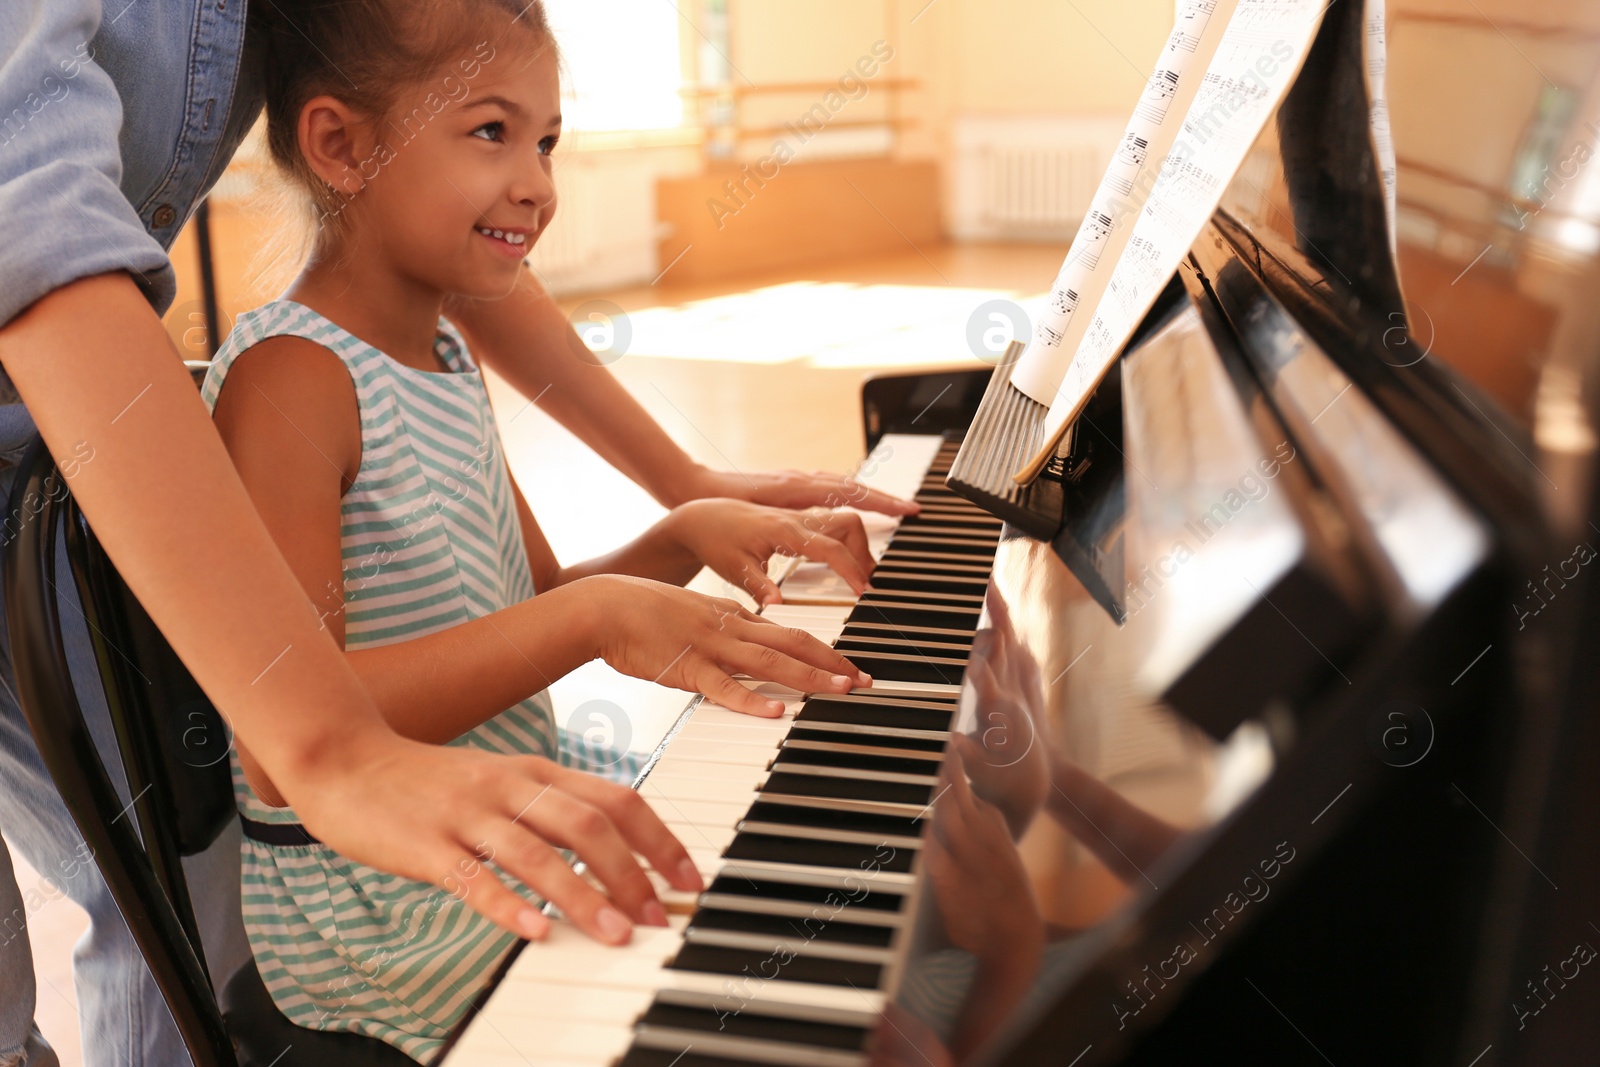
(1126, 185)
(1258, 52)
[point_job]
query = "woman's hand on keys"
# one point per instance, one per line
(443, 815)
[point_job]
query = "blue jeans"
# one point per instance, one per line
(122, 1017)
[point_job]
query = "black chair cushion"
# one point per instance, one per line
(263, 1036)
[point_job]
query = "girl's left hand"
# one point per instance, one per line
(736, 539)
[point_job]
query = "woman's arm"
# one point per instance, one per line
(526, 339)
(94, 365)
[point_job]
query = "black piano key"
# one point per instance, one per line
(857, 639)
(889, 667)
(641, 1056)
(751, 1023)
(713, 959)
(913, 634)
(955, 585)
(781, 783)
(905, 613)
(982, 547)
(842, 854)
(820, 758)
(978, 521)
(787, 814)
(912, 744)
(861, 894)
(827, 925)
(963, 598)
(822, 709)
(943, 561)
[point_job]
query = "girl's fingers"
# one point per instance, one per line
(641, 828)
(847, 528)
(570, 822)
(714, 681)
(470, 881)
(767, 663)
(541, 868)
(847, 491)
(841, 560)
(794, 658)
(753, 579)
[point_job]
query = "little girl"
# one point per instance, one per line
(421, 132)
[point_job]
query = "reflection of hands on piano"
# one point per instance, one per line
(985, 903)
(1121, 835)
(736, 539)
(693, 642)
(1006, 753)
(797, 489)
(903, 1040)
(974, 866)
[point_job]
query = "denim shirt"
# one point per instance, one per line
(114, 123)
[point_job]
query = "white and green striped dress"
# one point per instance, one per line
(430, 539)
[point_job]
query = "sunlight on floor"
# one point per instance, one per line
(820, 324)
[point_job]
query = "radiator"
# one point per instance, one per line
(604, 233)
(1026, 179)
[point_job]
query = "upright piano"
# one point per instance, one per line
(1271, 738)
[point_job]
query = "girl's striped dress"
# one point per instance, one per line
(430, 539)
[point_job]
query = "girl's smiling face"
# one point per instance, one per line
(450, 192)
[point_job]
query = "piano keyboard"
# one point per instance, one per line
(807, 830)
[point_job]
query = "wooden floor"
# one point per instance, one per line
(755, 376)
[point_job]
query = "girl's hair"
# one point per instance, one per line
(375, 56)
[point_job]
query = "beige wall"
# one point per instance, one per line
(1003, 57)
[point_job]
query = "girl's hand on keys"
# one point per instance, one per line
(736, 539)
(669, 635)
(797, 489)
(442, 814)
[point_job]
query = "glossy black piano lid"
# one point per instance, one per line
(1360, 864)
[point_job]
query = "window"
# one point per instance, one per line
(621, 63)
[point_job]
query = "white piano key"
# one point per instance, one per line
(730, 752)
(814, 584)
(660, 795)
(568, 952)
(715, 714)
(899, 462)
(564, 1000)
(671, 768)
(542, 1041)
(773, 996)
(703, 835)
(763, 732)
(886, 688)
(693, 812)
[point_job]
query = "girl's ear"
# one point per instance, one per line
(335, 142)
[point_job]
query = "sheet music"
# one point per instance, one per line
(1127, 185)
(1258, 52)
(1377, 56)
